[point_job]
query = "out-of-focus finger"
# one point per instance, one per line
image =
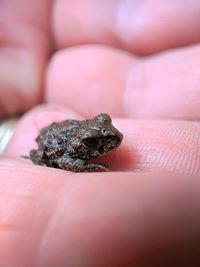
(24, 47)
(108, 80)
(142, 27)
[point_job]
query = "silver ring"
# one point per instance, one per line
(6, 132)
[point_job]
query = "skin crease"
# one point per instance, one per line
(145, 212)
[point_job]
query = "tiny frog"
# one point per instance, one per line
(70, 144)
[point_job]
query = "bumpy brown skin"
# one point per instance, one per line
(70, 144)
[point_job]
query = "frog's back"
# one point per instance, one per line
(55, 134)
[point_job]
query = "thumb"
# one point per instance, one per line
(23, 53)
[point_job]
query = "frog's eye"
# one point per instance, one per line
(91, 142)
(104, 131)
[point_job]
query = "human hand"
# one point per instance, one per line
(145, 218)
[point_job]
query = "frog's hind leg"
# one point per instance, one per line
(36, 155)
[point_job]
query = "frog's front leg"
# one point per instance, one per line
(79, 165)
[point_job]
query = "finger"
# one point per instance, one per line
(53, 218)
(89, 79)
(143, 27)
(165, 86)
(24, 47)
(147, 145)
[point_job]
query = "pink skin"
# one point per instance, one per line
(147, 211)
(164, 86)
